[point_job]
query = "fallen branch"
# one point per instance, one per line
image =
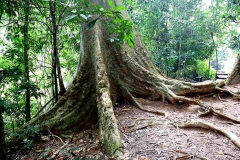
(200, 124)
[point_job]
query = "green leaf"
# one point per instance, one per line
(86, 3)
(129, 40)
(22, 90)
(70, 17)
(91, 24)
(111, 4)
(84, 16)
(42, 154)
(120, 8)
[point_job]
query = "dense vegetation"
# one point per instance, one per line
(187, 36)
(40, 45)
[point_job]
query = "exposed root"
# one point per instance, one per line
(200, 124)
(135, 102)
(219, 97)
(209, 109)
(206, 95)
(228, 91)
(203, 110)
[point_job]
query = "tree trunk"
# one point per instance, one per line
(2, 136)
(234, 77)
(107, 73)
(26, 61)
(57, 74)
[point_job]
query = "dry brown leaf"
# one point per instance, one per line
(126, 109)
(220, 152)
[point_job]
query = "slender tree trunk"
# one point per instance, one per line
(179, 54)
(2, 134)
(209, 66)
(54, 53)
(26, 60)
(2, 139)
(56, 63)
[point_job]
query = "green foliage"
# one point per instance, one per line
(203, 70)
(119, 28)
(91, 24)
(30, 135)
(111, 4)
(179, 33)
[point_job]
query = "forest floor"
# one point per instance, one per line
(148, 136)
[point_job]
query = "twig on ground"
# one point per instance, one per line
(56, 152)
(188, 155)
(144, 124)
(52, 135)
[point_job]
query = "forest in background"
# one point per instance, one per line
(40, 45)
(187, 36)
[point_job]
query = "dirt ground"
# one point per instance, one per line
(148, 136)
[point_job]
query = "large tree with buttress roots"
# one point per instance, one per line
(108, 73)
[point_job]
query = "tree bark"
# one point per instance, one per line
(234, 77)
(26, 61)
(107, 73)
(2, 140)
(2, 136)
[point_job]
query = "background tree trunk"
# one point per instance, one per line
(26, 61)
(2, 136)
(57, 74)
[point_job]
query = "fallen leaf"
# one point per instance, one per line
(96, 141)
(45, 138)
(220, 152)
(38, 151)
(94, 149)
